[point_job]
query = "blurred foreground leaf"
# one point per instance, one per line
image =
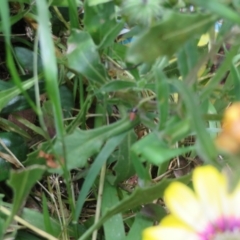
(160, 40)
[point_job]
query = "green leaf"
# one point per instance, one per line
(73, 14)
(19, 102)
(187, 57)
(136, 229)
(152, 148)
(36, 219)
(25, 58)
(94, 171)
(111, 35)
(46, 216)
(153, 211)
(219, 8)
(220, 73)
(162, 89)
(22, 182)
(117, 85)
(160, 40)
(114, 224)
(80, 145)
(176, 130)
(100, 20)
(123, 168)
(96, 2)
(47, 112)
(17, 145)
(49, 62)
(236, 80)
(67, 101)
(6, 96)
(205, 146)
(83, 57)
(23, 235)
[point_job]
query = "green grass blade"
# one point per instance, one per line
(49, 64)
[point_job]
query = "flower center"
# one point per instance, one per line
(222, 229)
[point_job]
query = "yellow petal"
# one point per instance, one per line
(203, 40)
(171, 221)
(168, 233)
(211, 188)
(184, 205)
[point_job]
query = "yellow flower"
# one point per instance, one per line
(210, 212)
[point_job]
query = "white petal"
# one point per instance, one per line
(235, 202)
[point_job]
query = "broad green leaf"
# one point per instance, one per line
(5, 168)
(115, 223)
(160, 39)
(25, 58)
(83, 57)
(21, 182)
(5, 85)
(81, 145)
